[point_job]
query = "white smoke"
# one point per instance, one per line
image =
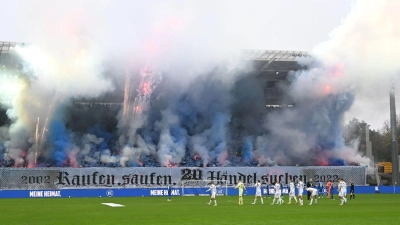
(366, 49)
(106, 157)
(360, 61)
(170, 151)
(70, 42)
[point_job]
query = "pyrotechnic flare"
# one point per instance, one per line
(206, 104)
(150, 79)
(126, 101)
(36, 140)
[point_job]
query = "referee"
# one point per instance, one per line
(352, 195)
(309, 185)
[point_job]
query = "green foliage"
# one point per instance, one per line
(355, 130)
(381, 139)
(381, 148)
(366, 209)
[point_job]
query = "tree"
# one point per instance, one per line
(380, 150)
(387, 139)
(355, 130)
(380, 139)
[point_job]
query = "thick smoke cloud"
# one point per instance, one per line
(174, 67)
(365, 48)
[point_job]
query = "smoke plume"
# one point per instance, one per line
(160, 82)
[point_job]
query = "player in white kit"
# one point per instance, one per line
(213, 190)
(292, 192)
(342, 189)
(277, 195)
(300, 188)
(258, 192)
(314, 193)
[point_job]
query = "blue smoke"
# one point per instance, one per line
(219, 118)
(59, 141)
(313, 126)
(188, 115)
(337, 162)
(101, 132)
(1, 152)
(330, 136)
(248, 150)
(219, 127)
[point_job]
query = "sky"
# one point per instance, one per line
(268, 24)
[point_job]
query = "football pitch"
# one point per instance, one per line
(366, 209)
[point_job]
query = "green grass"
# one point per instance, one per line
(366, 209)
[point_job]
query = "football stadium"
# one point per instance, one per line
(172, 121)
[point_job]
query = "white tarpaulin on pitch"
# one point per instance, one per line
(113, 204)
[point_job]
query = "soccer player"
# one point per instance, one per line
(308, 185)
(241, 187)
(328, 188)
(267, 186)
(264, 181)
(313, 193)
(320, 189)
(258, 192)
(213, 190)
(277, 195)
(169, 189)
(292, 192)
(281, 188)
(332, 190)
(342, 188)
(377, 189)
(300, 188)
(352, 195)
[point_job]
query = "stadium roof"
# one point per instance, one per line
(267, 59)
(6, 46)
(270, 66)
(275, 61)
(268, 55)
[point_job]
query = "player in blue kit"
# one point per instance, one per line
(169, 188)
(320, 189)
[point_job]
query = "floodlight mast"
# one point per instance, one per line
(393, 127)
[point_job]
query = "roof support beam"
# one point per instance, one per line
(265, 66)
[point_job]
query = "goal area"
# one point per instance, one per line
(199, 187)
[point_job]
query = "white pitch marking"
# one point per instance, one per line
(113, 204)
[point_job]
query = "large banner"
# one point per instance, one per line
(152, 177)
(156, 192)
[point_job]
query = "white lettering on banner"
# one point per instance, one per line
(36, 194)
(156, 192)
(164, 192)
(52, 193)
(44, 194)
